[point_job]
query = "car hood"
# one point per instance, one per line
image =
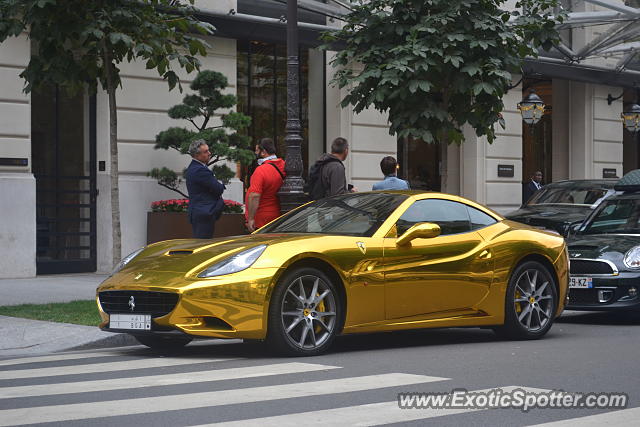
(557, 217)
(559, 213)
(602, 246)
(185, 254)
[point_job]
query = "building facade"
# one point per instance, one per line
(54, 149)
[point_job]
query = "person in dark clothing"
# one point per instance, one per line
(532, 186)
(332, 174)
(205, 192)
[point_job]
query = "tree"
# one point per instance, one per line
(79, 44)
(199, 109)
(436, 65)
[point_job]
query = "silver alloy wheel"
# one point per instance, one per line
(533, 300)
(308, 312)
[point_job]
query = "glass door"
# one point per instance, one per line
(63, 152)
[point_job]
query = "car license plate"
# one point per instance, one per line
(130, 321)
(580, 282)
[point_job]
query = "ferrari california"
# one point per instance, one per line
(355, 263)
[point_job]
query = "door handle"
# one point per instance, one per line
(485, 254)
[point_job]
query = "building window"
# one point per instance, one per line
(262, 92)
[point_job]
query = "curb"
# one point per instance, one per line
(117, 340)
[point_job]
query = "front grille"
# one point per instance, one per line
(581, 266)
(583, 296)
(156, 303)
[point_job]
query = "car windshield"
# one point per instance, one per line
(356, 214)
(568, 195)
(618, 216)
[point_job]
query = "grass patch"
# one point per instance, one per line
(76, 312)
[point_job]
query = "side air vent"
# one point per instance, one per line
(179, 252)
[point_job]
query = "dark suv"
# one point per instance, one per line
(560, 205)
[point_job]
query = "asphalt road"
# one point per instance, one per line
(357, 382)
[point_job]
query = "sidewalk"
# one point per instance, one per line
(24, 336)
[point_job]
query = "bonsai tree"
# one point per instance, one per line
(226, 141)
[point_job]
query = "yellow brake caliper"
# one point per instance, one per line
(319, 308)
(518, 307)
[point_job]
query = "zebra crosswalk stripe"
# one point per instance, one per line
(361, 415)
(81, 411)
(624, 417)
(161, 380)
(59, 357)
(139, 363)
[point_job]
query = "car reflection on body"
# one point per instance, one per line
(605, 253)
(355, 263)
(560, 205)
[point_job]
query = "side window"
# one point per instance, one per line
(479, 219)
(452, 217)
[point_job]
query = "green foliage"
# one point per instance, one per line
(167, 178)
(436, 65)
(77, 40)
(226, 141)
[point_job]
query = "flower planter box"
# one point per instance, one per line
(175, 225)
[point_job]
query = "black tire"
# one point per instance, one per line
(530, 303)
(303, 322)
(162, 344)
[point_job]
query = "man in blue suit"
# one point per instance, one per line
(205, 192)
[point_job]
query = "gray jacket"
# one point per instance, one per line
(333, 176)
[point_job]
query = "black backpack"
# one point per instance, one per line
(314, 186)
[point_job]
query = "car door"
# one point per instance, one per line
(447, 274)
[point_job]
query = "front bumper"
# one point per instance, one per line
(611, 293)
(232, 306)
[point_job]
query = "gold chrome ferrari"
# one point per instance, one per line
(360, 262)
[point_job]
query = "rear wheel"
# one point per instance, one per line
(531, 302)
(304, 313)
(164, 344)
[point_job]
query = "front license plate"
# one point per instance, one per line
(130, 321)
(580, 282)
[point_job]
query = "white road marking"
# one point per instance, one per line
(81, 411)
(361, 415)
(123, 365)
(624, 417)
(59, 357)
(160, 380)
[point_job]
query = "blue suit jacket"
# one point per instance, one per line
(205, 191)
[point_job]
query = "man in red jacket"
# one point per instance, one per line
(263, 205)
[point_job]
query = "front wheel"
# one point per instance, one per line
(530, 304)
(162, 344)
(304, 313)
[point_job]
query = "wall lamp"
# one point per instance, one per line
(531, 108)
(631, 117)
(630, 113)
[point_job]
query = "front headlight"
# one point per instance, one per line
(238, 262)
(126, 260)
(632, 257)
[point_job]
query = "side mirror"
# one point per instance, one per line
(573, 229)
(422, 230)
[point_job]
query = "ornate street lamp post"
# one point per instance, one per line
(291, 194)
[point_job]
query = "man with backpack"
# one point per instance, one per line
(327, 175)
(263, 205)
